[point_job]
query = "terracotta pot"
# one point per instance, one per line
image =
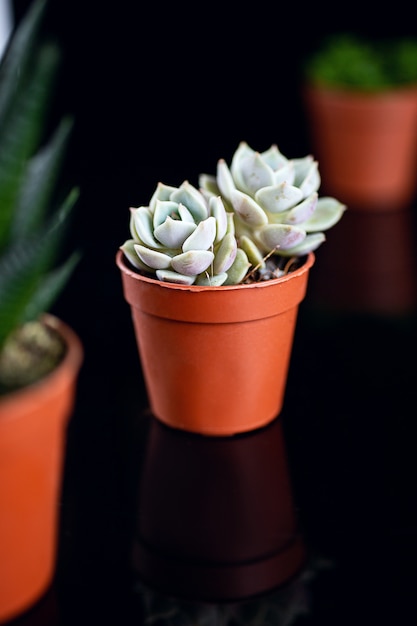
(215, 359)
(216, 517)
(32, 445)
(366, 145)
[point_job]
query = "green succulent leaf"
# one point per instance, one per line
(208, 182)
(206, 280)
(239, 268)
(225, 254)
(38, 187)
(32, 228)
(252, 251)
(23, 268)
(20, 133)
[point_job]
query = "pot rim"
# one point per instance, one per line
(71, 362)
(122, 263)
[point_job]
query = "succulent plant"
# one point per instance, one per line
(182, 236)
(275, 202)
(33, 221)
(256, 215)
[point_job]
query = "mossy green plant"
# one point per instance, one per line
(357, 63)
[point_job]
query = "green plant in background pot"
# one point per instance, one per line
(40, 355)
(228, 263)
(360, 98)
(354, 63)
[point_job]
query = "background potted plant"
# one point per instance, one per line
(40, 356)
(360, 97)
(214, 277)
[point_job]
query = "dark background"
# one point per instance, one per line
(158, 93)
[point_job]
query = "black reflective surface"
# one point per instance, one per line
(348, 426)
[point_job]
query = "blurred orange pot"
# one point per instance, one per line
(32, 445)
(366, 145)
(215, 359)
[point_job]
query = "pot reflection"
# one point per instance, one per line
(368, 265)
(216, 518)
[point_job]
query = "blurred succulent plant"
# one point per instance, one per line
(275, 201)
(32, 273)
(182, 237)
(262, 211)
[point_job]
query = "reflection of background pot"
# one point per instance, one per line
(216, 516)
(366, 145)
(369, 264)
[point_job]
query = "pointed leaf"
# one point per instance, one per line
(143, 227)
(173, 233)
(278, 198)
(193, 262)
(218, 211)
(301, 212)
(168, 276)
(243, 151)
(254, 174)
(239, 268)
(152, 258)
(207, 182)
(286, 173)
(161, 210)
(162, 192)
(275, 159)
(247, 209)
(309, 244)
(128, 249)
(39, 184)
(203, 236)
(280, 236)
(192, 199)
(253, 253)
(211, 281)
(327, 214)
(20, 133)
(50, 288)
(225, 179)
(225, 254)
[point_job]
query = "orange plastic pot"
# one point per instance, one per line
(215, 359)
(32, 445)
(366, 145)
